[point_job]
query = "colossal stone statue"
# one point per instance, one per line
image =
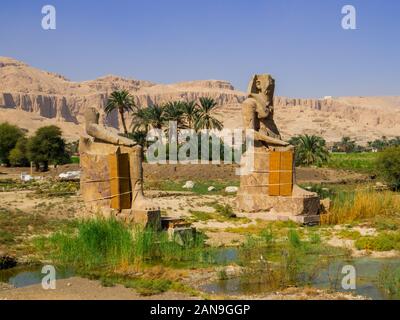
(258, 112)
(95, 153)
(267, 181)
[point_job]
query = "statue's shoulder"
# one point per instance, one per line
(249, 102)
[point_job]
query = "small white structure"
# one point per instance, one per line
(231, 189)
(70, 175)
(188, 185)
(26, 177)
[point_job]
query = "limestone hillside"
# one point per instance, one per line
(31, 98)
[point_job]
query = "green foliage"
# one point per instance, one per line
(173, 111)
(363, 161)
(225, 210)
(388, 165)
(110, 243)
(139, 137)
(190, 113)
(347, 145)
(384, 241)
(47, 146)
(310, 150)
(18, 156)
(9, 136)
(380, 144)
(121, 101)
(389, 281)
(204, 118)
(75, 159)
(294, 238)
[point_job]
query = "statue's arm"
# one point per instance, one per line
(100, 133)
(249, 110)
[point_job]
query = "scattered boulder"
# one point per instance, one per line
(379, 186)
(211, 188)
(7, 261)
(70, 175)
(188, 185)
(26, 177)
(231, 189)
(325, 205)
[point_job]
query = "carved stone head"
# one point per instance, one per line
(91, 116)
(262, 84)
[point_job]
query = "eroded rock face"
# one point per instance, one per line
(47, 95)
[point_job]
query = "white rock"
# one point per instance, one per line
(231, 189)
(188, 185)
(26, 177)
(70, 175)
(211, 188)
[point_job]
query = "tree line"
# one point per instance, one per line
(193, 114)
(45, 147)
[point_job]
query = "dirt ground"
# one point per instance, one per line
(203, 172)
(77, 288)
(174, 204)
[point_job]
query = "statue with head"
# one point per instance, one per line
(258, 111)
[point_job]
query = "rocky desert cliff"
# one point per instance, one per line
(31, 98)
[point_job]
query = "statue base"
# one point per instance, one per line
(143, 218)
(97, 185)
(267, 183)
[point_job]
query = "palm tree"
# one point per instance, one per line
(204, 119)
(121, 101)
(140, 120)
(139, 136)
(347, 145)
(310, 150)
(190, 112)
(174, 112)
(152, 116)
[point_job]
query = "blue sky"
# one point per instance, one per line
(300, 42)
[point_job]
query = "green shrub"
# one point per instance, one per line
(9, 135)
(110, 243)
(384, 241)
(388, 164)
(47, 146)
(310, 150)
(389, 281)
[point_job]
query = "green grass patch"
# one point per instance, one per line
(349, 234)
(384, 241)
(17, 226)
(75, 159)
(200, 187)
(108, 243)
(363, 161)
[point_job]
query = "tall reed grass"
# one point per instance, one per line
(110, 243)
(359, 205)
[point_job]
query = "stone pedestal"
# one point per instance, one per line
(265, 186)
(95, 174)
(98, 184)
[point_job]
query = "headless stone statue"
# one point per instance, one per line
(140, 205)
